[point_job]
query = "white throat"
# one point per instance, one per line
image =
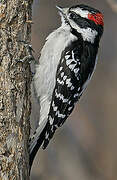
(88, 34)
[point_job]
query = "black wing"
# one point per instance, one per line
(75, 68)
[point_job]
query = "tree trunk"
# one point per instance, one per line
(15, 79)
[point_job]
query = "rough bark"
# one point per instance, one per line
(15, 78)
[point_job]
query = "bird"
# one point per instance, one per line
(67, 62)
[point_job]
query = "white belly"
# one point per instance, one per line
(45, 76)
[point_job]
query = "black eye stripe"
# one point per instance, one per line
(81, 21)
(74, 15)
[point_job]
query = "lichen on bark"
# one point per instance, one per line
(15, 79)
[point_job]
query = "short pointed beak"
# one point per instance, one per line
(59, 8)
(62, 10)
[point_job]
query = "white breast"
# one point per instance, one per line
(44, 79)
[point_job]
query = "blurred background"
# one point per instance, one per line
(85, 148)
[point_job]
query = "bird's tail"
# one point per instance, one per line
(35, 144)
(36, 136)
(37, 139)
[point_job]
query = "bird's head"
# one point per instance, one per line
(84, 19)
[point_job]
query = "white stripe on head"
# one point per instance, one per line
(82, 13)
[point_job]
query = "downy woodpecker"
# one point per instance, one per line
(66, 65)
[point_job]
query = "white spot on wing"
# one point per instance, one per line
(60, 115)
(68, 62)
(47, 136)
(51, 120)
(69, 109)
(68, 82)
(79, 89)
(61, 97)
(72, 66)
(69, 102)
(72, 87)
(67, 52)
(76, 70)
(62, 74)
(65, 77)
(76, 95)
(54, 107)
(73, 55)
(67, 57)
(60, 82)
(61, 68)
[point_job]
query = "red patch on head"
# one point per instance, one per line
(97, 18)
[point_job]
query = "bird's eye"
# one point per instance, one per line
(72, 15)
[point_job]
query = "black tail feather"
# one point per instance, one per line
(36, 148)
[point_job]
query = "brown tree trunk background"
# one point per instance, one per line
(15, 79)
